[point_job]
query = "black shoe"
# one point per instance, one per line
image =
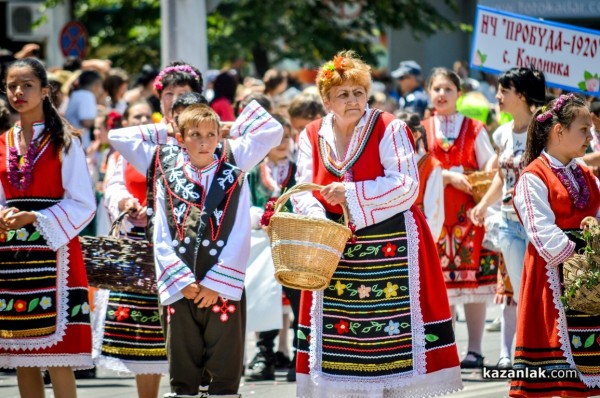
(291, 374)
(476, 363)
(260, 368)
(282, 361)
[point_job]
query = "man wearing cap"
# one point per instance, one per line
(410, 83)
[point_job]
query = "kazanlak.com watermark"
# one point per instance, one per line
(528, 373)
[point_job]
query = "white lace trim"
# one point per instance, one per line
(418, 333)
(132, 367)
(50, 231)
(442, 382)
(482, 294)
(354, 207)
(62, 265)
(44, 361)
(418, 327)
(98, 318)
(561, 325)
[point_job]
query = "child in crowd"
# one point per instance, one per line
(46, 199)
(461, 145)
(431, 189)
(520, 90)
(268, 181)
(127, 331)
(553, 195)
(201, 236)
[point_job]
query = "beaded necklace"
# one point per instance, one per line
(20, 168)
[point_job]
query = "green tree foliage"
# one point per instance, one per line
(267, 31)
(264, 31)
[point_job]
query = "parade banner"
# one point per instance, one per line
(568, 55)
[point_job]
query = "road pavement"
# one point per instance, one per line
(111, 385)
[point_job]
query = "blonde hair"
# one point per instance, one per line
(345, 68)
(197, 114)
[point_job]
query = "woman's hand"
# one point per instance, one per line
(477, 214)
(588, 222)
(20, 219)
(206, 297)
(457, 180)
(334, 193)
(4, 223)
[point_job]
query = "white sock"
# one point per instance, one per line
(475, 318)
(507, 330)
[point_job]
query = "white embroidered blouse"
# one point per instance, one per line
(433, 200)
(373, 201)
(227, 275)
(531, 203)
(63, 221)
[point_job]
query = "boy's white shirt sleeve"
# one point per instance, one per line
(227, 276)
(137, 144)
(539, 221)
(255, 133)
(373, 201)
(305, 202)
(433, 202)
(64, 220)
(115, 189)
(172, 274)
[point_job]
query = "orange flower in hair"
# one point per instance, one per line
(338, 63)
(327, 73)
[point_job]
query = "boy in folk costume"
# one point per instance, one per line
(555, 194)
(201, 234)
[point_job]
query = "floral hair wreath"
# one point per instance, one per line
(560, 102)
(339, 65)
(171, 69)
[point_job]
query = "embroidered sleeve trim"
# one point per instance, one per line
(52, 231)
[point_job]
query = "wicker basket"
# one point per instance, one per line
(480, 182)
(578, 268)
(119, 263)
(306, 251)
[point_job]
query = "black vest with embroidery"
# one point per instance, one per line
(200, 222)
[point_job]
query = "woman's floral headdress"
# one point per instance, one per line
(560, 102)
(171, 69)
(339, 65)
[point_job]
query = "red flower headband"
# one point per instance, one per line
(171, 69)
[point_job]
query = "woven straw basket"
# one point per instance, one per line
(117, 263)
(306, 251)
(586, 299)
(480, 182)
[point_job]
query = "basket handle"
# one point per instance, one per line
(305, 186)
(116, 225)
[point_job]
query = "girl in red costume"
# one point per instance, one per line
(46, 199)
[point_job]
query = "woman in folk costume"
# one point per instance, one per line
(461, 145)
(431, 188)
(520, 90)
(46, 198)
(127, 332)
(553, 195)
(372, 332)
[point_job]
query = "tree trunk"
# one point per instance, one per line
(261, 61)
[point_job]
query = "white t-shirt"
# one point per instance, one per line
(511, 149)
(82, 106)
